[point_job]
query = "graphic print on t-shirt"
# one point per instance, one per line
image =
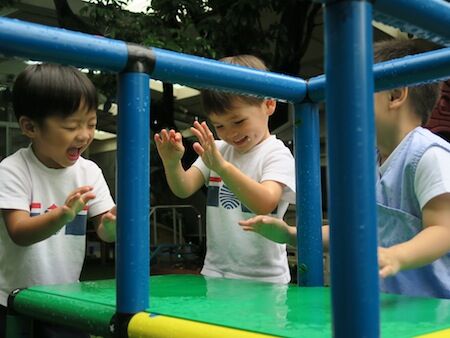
(220, 195)
(35, 209)
(227, 199)
(77, 227)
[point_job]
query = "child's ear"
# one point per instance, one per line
(28, 126)
(270, 106)
(397, 97)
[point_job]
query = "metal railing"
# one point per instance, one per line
(177, 221)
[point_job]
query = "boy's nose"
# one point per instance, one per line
(85, 134)
(234, 134)
(231, 132)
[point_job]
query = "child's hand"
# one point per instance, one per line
(206, 147)
(170, 146)
(388, 262)
(109, 224)
(76, 201)
(270, 227)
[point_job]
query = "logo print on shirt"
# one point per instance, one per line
(76, 227)
(219, 194)
(227, 199)
(35, 209)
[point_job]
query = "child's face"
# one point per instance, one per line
(244, 127)
(59, 142)
(385, 118)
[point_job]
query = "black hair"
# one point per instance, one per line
(44, 90)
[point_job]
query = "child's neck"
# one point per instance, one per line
(392, 140)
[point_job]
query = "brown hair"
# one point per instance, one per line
(423, 97)
(219, 102)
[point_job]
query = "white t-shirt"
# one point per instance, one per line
(432, 176)
(27, 184)
(232, 252)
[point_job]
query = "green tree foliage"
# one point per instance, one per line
(279, 31)
(166, 24)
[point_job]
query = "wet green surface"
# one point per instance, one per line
(279, 310)
(75, 307)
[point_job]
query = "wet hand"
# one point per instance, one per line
(388, 262)
(109, 223)
(170, 146)
(206, 147)
(76, 201)
(270, 227)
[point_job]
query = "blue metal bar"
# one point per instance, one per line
(316, 88)
(429, 19)
(133, 184)
(410, 70)
(38, 42)
(204, 73)
(351, 156)
(309, 202)
(43, 43)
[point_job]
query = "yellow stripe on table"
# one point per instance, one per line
(438, 334)
(145, 325)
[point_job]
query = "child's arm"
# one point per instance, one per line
(428, 245)
(183, 183)
(278, 230)
(272, 228)
(105, 225)
(25, 230)
(261, 198)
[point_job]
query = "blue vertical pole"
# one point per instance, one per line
(351, 154)
(309, 202)
(133, 186)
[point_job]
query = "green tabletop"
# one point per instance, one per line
(279, 310)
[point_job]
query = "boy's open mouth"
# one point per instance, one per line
(73, 153)
(241, 141)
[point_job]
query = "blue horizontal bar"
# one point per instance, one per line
(42, 43)
(429, 19)
(410, 70)
(200, 72)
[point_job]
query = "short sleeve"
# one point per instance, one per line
(200, 165)
(15, 190)
(279, 166)
(432, 176)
